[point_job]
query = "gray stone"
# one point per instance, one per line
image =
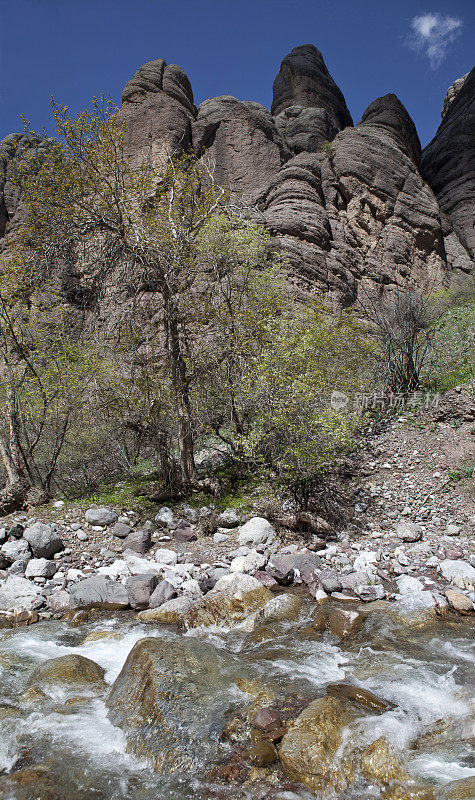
(164, 517)
(140, 589)
(138, 541)
(408, 531)
(229, 518)
(255, 532)
(41, 568)
(249, 563)
(15, 550)
(121, 530)
(459, 573)
(101, 516)
(59, 601)
(20, 594)
(166, 557)
(99, 592)
(164, 592)
(43, 540)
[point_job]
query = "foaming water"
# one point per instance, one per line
(422, 674)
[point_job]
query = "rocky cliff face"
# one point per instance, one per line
(347, 204)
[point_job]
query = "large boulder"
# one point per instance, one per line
(140, 589)
(166, 698)
(20, 594)
(69, 669)
(43, 540)
(459, 573)
(257, 531)
(308, 749)
(234, 600)
(40, 568)
(99, 592)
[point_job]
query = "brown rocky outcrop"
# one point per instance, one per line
(348, 205)
(448, 162)
(157, 110)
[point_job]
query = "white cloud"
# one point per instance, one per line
(432, 34)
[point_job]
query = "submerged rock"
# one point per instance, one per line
(358, 695)
(308, 749)
(68, 669)
(463, 789)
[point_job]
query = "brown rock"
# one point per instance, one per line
(361, 696)
(308, 749)
(344, 623)
(262, 754)
(266, 719)
(68, 669)
(458, 601)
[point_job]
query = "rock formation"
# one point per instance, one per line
(448, 166)
(348, 205)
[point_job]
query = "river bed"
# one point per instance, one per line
(63, 745)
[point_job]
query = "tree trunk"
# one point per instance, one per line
(179, 380)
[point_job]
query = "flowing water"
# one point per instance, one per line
(71, 750)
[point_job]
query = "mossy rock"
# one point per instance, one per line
(463, 789)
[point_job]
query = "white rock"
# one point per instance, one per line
(255, 532)
(101, 516)
(19, 594)
(117, 570)
(236, 584)
(40, 568)
(452, 530)
(249, 563)
(138, 565)
(16, 550)
(164, 516)
(58, 504)
(219, 537)
(229, 518)
(75, 574)
(82, 535)
(165, 556)
(458, 572)
(191, 588)
(407, 584)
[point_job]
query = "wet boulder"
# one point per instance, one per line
(462, 789)
(278, 609)
(43, 540)
(170, 612)
(165, 699)
(356, 694)
(309, 747)
(70, 669)
(234, 600)
(344, 622)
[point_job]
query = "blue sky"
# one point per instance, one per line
(75, 49)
